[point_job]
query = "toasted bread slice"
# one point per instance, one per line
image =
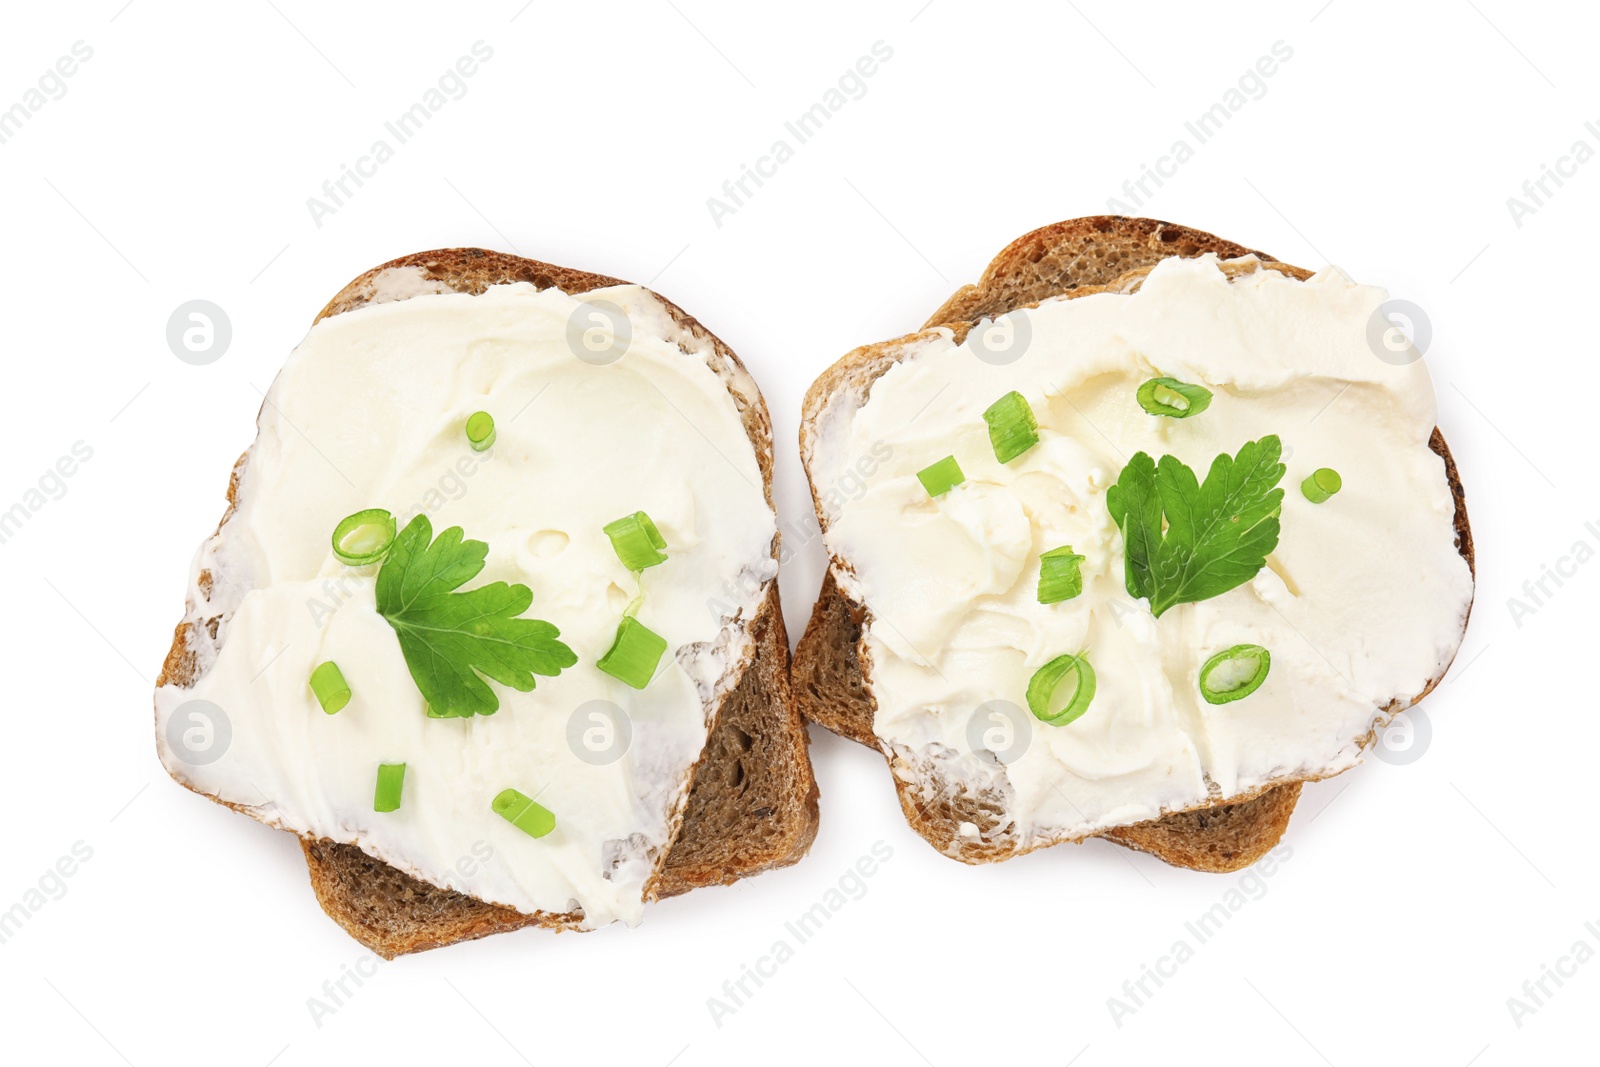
(1069, 259)
(752, 800)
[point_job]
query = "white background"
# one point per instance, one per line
(177, 164)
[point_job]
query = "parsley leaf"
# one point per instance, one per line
(1135, 505)
(449, 638)
(1186, 541)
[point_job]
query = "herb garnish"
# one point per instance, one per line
(449, 638)
(1187, 541)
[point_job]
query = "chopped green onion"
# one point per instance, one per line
(636, 541)
(1061, 690)
(391, 776)
(520, 811)
(1059, 575)
(331, 690)
(1323, 483)
(1172, 398)
(1012, 428)
(364, 537)
(1234, 673)
(480, 431)
(941, 477)
(634, 654)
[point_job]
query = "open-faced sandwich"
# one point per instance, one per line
(492, 619)
(1134, 537)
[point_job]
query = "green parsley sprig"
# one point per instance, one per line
(449, 638)
(1187, 541)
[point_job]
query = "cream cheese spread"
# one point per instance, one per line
(1363, 602)
(369, 412)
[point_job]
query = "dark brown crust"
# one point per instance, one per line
(827, 676)
(392, 913)
(1059, 259)
(1226, 837)
(721, 840)
(1088, 251)
(1458, 493)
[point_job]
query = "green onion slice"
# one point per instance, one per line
(1323, 483)
(364, 537)
(1234, 673)
(636, 541)
(391, 776)
(1060, 577)
(520, 811)
(1012, 428)
(1061, 690)
(634, 654)
(941, 477)
(480, 431)
(331, 690)
(1172, 398)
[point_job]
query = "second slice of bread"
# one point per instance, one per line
(1063, 259)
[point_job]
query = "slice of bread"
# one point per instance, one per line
(1071, 258)
(752, 800)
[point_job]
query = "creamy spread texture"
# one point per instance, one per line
(369, 412)
(1362, 603)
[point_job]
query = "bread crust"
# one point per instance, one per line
(1072, 258)
(752, 802)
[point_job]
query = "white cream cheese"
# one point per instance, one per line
(1363, 602)
(369, 412)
